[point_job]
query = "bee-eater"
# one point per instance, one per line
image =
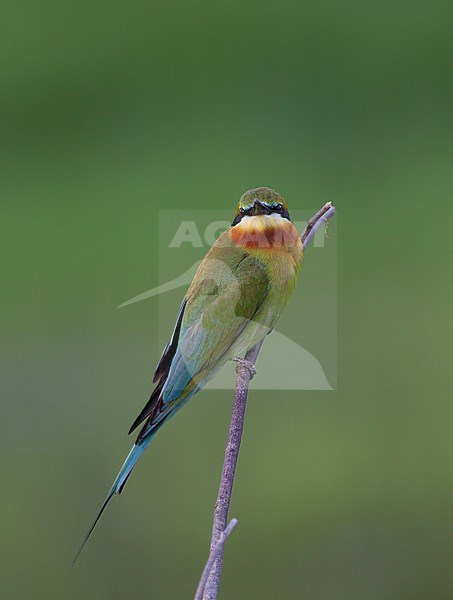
(236, 296)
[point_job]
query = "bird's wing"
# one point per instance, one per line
(222, 303)
(227, 291)
(161, 372)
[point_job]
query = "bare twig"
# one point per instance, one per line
(245, 369)
(315, 223)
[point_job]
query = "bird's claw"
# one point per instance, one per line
(245, 364)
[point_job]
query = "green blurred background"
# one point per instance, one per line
(112, 110)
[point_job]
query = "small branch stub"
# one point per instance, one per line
(212, 557)
(322, 216)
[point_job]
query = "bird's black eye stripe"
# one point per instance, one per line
(277, 208)
(243, 212)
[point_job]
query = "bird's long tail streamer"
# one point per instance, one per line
(143, 440)
(117, 486)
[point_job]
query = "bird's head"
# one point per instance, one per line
(260, 201)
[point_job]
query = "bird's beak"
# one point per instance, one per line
(259, 208)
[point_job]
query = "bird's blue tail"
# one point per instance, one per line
(118, 485)
(147, 433)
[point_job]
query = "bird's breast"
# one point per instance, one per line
(264, 232)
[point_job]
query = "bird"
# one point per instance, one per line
(236, 296)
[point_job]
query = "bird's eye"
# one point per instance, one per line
(278, 207)
(242, 210)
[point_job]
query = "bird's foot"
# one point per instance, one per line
(243, 363)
